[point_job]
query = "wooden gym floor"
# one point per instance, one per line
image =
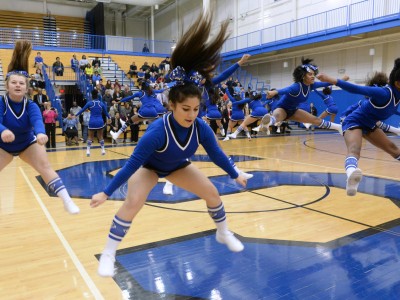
(304, 238)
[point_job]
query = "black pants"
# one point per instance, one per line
(134, 132)
(51, 133)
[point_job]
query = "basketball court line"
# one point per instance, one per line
(91, 285)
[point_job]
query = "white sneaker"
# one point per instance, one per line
(103, 151)
(307, 125)
(222, 131)
(353, 181)
(258, 128)
(167, 190)
(246, 175)
(229, 239)
(87, 153)
(106, 265)
(71, 207)
(122, 122)
(226, 138)
(231, 136)
(114, 135)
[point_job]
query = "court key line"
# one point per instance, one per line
(92, 286)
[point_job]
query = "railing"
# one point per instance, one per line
(342, 18)
(55, 101)
(322, 23)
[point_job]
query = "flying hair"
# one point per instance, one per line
(20, 57)
(195, 52)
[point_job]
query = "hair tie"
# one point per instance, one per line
(16, 72)
(310, 67)
(180, 76)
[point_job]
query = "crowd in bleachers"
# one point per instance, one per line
(111, 92)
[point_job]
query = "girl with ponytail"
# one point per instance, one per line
(22, 129)
(164, 150)
(382, 102)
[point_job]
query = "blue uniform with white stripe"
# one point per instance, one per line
(97, 108)
(166, 147)
(331, 107)
(237, 109)
(24, 119)
(212, 109)
(295, 94)
(147, 109)
(383, 102)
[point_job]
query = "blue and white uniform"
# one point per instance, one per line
(166, 147)
(212, 109)
(331, 107)
(295, 94)
(97, 109)
(148, 109)
(237, 107)
(24, 119)
(383, 102)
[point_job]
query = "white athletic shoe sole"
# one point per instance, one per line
(226, 138)
(353, 181)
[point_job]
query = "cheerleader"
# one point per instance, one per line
(383, 102)
(258, 111)
(295, 94)
(22, 129)
(211, 93)
(96, 121)
(164, 150)
(147, 111)
(237, 115)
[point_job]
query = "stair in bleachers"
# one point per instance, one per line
(112, 71)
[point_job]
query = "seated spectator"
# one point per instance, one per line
(154, 68)
(74, 63)
(38, 60)
(89, 71)
(40, 99)
(98, 69)
(116, 83)
(71, 129)
(33, 83)
(166, 64)
(145, 48)
(132, 70)
(117, 96)
(126, 91)
(145, 66)
(83, 63)
(58, 67)
(96, 61)
(96, 77)
(39, 78)
(29, 94)
(108, 84)
(107, 99)
(153, 77)
(140, 76)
